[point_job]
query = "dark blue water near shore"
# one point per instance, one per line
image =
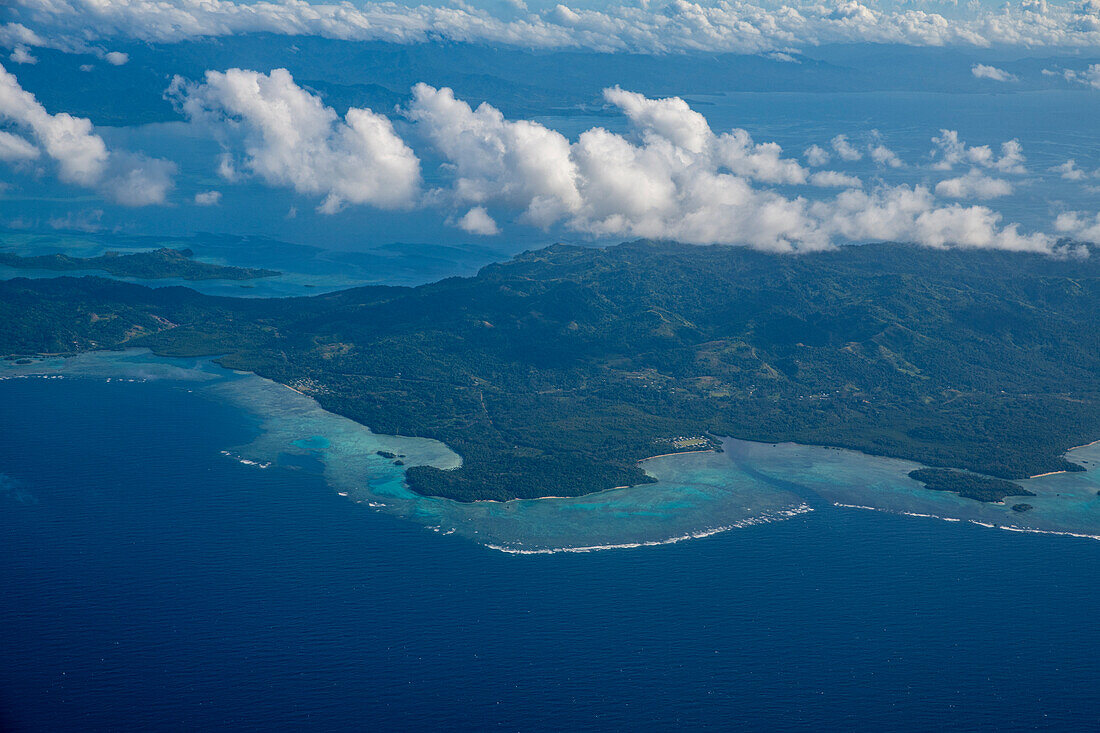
(149, 582)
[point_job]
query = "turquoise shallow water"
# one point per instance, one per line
(153, 583)
(696, 494)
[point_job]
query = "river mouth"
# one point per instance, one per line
(696, 494)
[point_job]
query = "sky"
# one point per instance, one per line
(786, 128)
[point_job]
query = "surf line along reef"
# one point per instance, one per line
(553, 374)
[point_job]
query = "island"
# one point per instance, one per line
(969, 485)
(152, 265)
(555, 373)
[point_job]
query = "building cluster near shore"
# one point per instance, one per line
(688, 442)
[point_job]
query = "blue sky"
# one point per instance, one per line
(827, 123)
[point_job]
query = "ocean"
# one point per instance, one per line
(154, 580)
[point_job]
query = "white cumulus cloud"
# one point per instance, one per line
(982, 71)
(478, 221)
(208, 198)
(833, 179)
(288, 137)
(884, 156)
(844, 149)
(1070, 171)
(1080, 226)
(974, 185)
(673, 177)
(14, 148)
(905, 214)
(81, 156)
(949, 151)
(817, 155)
(22, 55)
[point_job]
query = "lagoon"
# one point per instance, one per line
(696, 494)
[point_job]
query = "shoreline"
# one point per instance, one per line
(673, 453)
(566, 545)
(1086, 445)
(976, 522)
(1068, 450)
(577, 496)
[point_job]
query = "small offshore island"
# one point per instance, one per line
(555, 373)
(969, 486)
(157, 264)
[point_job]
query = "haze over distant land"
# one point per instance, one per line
(157, 264)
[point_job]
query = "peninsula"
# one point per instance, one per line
(153, 265)
(554, 373)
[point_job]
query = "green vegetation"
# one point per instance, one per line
(969, 485)
(153, 265)
(554, 373)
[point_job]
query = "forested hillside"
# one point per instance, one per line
(554, 373)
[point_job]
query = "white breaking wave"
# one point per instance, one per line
(767, 518)
(988, 525)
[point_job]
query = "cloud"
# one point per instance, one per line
(22, 56)
(1011, 160)
(519, 164)
(982, 71)
(136, 180)
(116, 58)
(1080, 226)
(676, 26)
(974, 185)
(844, 149)
(817, 155)
(905, 214)
(884, 156)
(1070, 171)
(675, 179)
(88, 220)
(833, 179)
(82, 156)
(14, 148)
(672, 120)
(1090, 77)
(950, 151)
(672, 177)
(478, 221)
(290, 138)
(17, 35)
(208, 198)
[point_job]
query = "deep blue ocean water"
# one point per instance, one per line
(152, 583)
